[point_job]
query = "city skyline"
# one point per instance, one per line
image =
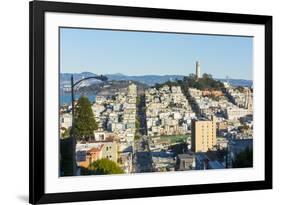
(150, 53)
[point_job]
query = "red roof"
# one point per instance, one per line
(95, 149)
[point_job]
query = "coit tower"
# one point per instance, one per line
(198, 70)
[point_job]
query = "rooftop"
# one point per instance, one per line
(185, 156)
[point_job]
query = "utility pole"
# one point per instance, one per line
(73, 139)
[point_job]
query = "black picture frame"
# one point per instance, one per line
(37, 194)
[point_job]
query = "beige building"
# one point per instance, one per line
(235, 113)
(132, 90)
(203, 135)
(90, 152)
(109, 150)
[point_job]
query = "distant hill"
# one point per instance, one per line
(146, 79)
(65, 77)
(110, 87)
(149, 80)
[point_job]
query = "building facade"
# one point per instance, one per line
(203, 135)
(90, 152)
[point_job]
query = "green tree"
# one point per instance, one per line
(240, 89)
(138, 99)
(206, 82)
(66, 132)
(207, 76)
(84, 120)
(113, 97)
(138, 125)
(104, 166)
(243, 159)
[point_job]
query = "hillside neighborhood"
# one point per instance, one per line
(193, 123)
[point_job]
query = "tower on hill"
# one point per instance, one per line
(198, 75)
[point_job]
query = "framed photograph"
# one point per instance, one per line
(130, 102)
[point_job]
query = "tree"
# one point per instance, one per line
(240, 89)
(243, 159)
(138, 99)
(66, 132)
(137, 124)
(84, 120)
(207, 76)
(104, 166)
(168, 83)
(113, 97)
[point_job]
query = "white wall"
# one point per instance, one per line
(14, 43)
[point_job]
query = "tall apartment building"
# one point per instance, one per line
(203, 135)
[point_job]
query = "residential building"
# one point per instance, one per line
(66, 120)
(185, 162)
(203, 135)
(90, 152)
(234, 113)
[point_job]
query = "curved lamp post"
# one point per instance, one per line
(100, 77)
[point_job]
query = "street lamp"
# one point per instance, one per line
(100, 77)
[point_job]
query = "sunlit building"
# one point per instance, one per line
(203, 135)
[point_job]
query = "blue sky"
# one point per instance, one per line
(142, 53)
